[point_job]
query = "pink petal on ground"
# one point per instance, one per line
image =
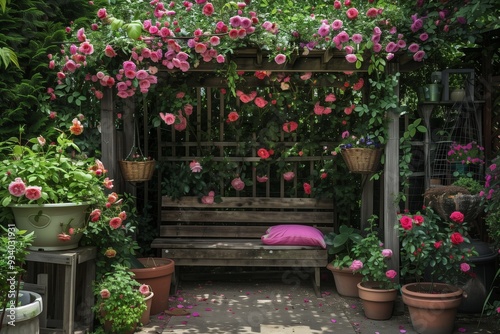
(161, 317)
(353, 306)
(189, 306)
(306, 300)
(208, 309)
(195, 314)
(462, 330)
(184, 322)
(333, 320)
(402, 330)
(180, 299)
(180, 306)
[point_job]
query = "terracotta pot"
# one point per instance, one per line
(346, 282)
(378, 303)
(432, 312)
(158, 275)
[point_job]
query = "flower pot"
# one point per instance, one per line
(137, 171)
(378, 303)
(432, 311)
(147, 313)
(362, 160)
(457, 94)
(158, 275)
(346, 282)
(48, 221)
(23, 319)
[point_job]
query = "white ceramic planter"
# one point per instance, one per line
(23, 319)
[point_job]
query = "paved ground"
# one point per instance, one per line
(279, 306)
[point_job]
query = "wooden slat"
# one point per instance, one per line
(229, 244)
(204, 231)
(251, 203)
(248, 217)
(247, 262)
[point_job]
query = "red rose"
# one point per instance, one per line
(457, 217)
(263, 153)
(406, 222)
(418, 219)
(456, 238)
(307, 188)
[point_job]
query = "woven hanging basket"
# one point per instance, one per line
(362, 160)
(137, 171)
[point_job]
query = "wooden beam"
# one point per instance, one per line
(108, 135)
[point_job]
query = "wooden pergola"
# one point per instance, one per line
(315, 62)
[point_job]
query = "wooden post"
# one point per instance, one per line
(391, 179)
(108, 136)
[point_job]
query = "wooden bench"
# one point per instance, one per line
(229, 233)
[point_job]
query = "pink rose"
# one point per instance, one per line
(105, 294)
(464, 267)
(17, 187)
(262, 179)
(195, 166)
(168, 118)
(390, 274)
(238, 184)
(456, 238)
(386, 253)
(356, 265)
(63, 237)
(33, 193)
(144, 289)
(115, 222)
(288, 176)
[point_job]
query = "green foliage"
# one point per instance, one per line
(473, 186)
(369, 250)
(119, 301)
(341, 245)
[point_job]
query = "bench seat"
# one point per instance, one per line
(229, 233)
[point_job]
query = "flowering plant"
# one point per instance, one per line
(120, 300)
(42, 171)
(432, 250)
(371, 259)
(470, 153)
(352, 141)
(341, 245)
(491, 198)
(136, 155)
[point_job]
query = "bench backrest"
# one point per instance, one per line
(241, 217)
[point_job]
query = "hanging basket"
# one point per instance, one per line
(137, 171)
(362, 160)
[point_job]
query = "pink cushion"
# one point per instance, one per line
(297, 235)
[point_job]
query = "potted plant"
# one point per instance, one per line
(378, 289)
(434, 262)
(340, 246)
(17, 315)
(136, 167)
(361, 154)
(464, 157)
(120, 300)
(461, 195)
(49, 187)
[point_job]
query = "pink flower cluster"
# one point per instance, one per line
(18, 188)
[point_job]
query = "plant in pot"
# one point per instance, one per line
(378, 289)
(120, 301)
(17, 315)
(361, 154)
(434, 263)
(465, 158)
(340, 246)
(461, 195)
(49, 187)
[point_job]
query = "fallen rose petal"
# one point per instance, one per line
(333, 320)
(208, 309)
(195, 314)
(462, 330)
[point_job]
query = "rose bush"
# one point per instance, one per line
(433, 250)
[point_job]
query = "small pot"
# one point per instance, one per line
(346, 282)
(378, 302)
